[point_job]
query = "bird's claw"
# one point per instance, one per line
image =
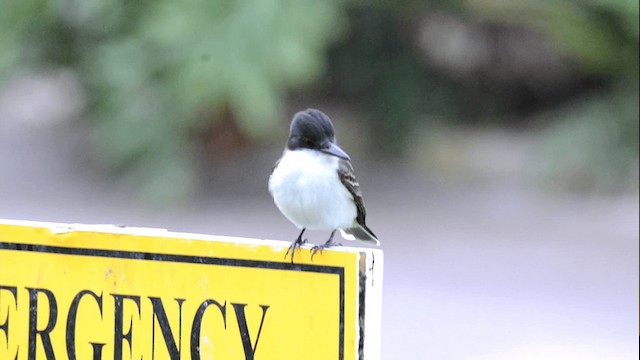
(296, 244)
(319, 248)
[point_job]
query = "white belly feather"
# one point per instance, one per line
(306, 188)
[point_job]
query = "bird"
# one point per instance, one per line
(314, 186)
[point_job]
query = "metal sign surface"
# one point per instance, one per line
(104, 292)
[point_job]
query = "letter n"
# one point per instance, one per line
(161, 315)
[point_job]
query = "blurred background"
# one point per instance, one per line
(496, 143)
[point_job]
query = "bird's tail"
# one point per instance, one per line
(360, 232)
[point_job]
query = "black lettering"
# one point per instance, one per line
(97, 350)
(33, 323)
(249, 350)
(197, 325)
(169, 340)
(71, 320)
(119, 336)
(4, 326)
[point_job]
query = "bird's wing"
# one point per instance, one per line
(348, 179)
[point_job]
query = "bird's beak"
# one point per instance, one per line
(335, 150)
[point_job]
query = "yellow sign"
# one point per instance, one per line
(104, 292)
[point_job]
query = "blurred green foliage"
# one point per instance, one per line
(376, 69)
(156, 70)
(593, 145)
(600, 35)
(153, 68)
(592, 136)
(592, 142)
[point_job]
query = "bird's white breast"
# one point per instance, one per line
(306, 188)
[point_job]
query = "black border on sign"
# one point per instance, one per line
(190, 259)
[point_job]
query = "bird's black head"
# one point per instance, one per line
(312, 129)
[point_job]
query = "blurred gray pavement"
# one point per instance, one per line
(487, 272)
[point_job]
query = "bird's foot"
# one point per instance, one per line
(319, 248)
(296, 244)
